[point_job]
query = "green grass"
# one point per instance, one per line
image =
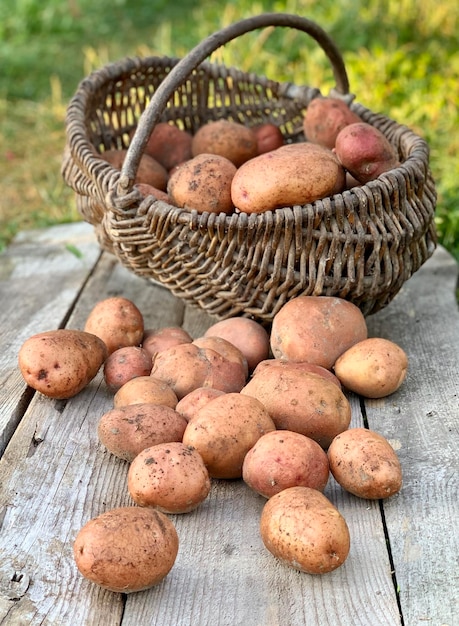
(401, 56)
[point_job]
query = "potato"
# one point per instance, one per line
(117, 321)
(203, 184)
(249, 336)
(190, 404)
(373, 368)
(60, 363)
(149, 171)
(186, 367)
(124, 364)
(149, 190)
(171, 477)
(301, 401)
(234, 141)
(365, 151)
(269, 137)
(292, 174)
(227, 349)
(364, 463)
(224, 430)
(127, 430)
(324, 118)
(145, 389)
(157, 339)
(169, 145)
(126, 549)
(302, 365)
(303, 529)
(282, 459)
(316, 329)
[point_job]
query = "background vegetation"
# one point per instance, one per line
(402, 57)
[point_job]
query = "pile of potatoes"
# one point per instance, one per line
(228, 167)
(269, 408)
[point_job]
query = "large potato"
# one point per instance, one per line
(124, 364)
(234, 141)
(117, 321)
(292, 174)
(316, 329)
(145, 389)
(374, 367)
(324, 118)
(282, 459)
(303, 529)
(126, 549)
(60, 363)
(364, 463)
(301, 401)
(127, 430)
(225, 429)
(171, 477)
(302, 365)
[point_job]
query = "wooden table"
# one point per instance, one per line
(403, 566)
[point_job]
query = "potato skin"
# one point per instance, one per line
(127, 430)
(301, 365)
(60, 363)
(157, 339)
(269, 137)
(364, 463)
(149, 172)
(316, 329)
(373, 368)
(324, 118)
(292, 174)
(303, 529)
(224, 430)
(282, 459)
(126, 549)
(143, 389)
(234, 141)
(117, 321)
(171, 477)
(227, 349)
(124, 364)
(169, 145)
(190, 404)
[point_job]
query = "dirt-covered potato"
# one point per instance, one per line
(149, 172)
(127, 430)
(157, 339)
(324, 118)
(171, 477)
(190, 404)
(203, 183)
(60, 363)
(292, 174)
(302, 365)
(303, 529)
(126, 549)
(124, 364)
(145, 389)
(225, 429)
(364, 463)
(234, 141)
(282, 459)
(117, 321)
(316, 329)
(301, 401)
(227, 349)
(249, 336)
(169, 145)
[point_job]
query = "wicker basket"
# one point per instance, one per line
(361, 245)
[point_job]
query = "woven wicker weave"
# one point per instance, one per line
(362, 244)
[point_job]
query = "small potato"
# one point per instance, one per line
(126, 549)
(269, 137)
(186, 367)
(365, 151)
(373, 368)
(364, 463)
(249, 336)
(203, 183)
(302, 402)
(316, 329)
(324, 118)
(60, 363)
(169, 145)
(227, 349)
(149, 171)
(171, 477)
(145, 389)
(303, 529)
(302, 365)
(190, 404)
(124, 364)
(117, 321)
(157, 339)
(282, 459)
(234, 141)
(127, 430)
(148, 190)
(224, 430)
(292, 174)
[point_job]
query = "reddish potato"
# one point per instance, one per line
(227, 349)
(324, 118)
(127, 430)
(171, 477)
(117, 321)
(282, 459)
(231, 140)
(158, 339)
(169, 145)
(124, 364)
(149, 171)
(269, 137)
(148, 190)
(302, 365)
(145, 389)
(190, 404)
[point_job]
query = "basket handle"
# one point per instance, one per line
(180, 72)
